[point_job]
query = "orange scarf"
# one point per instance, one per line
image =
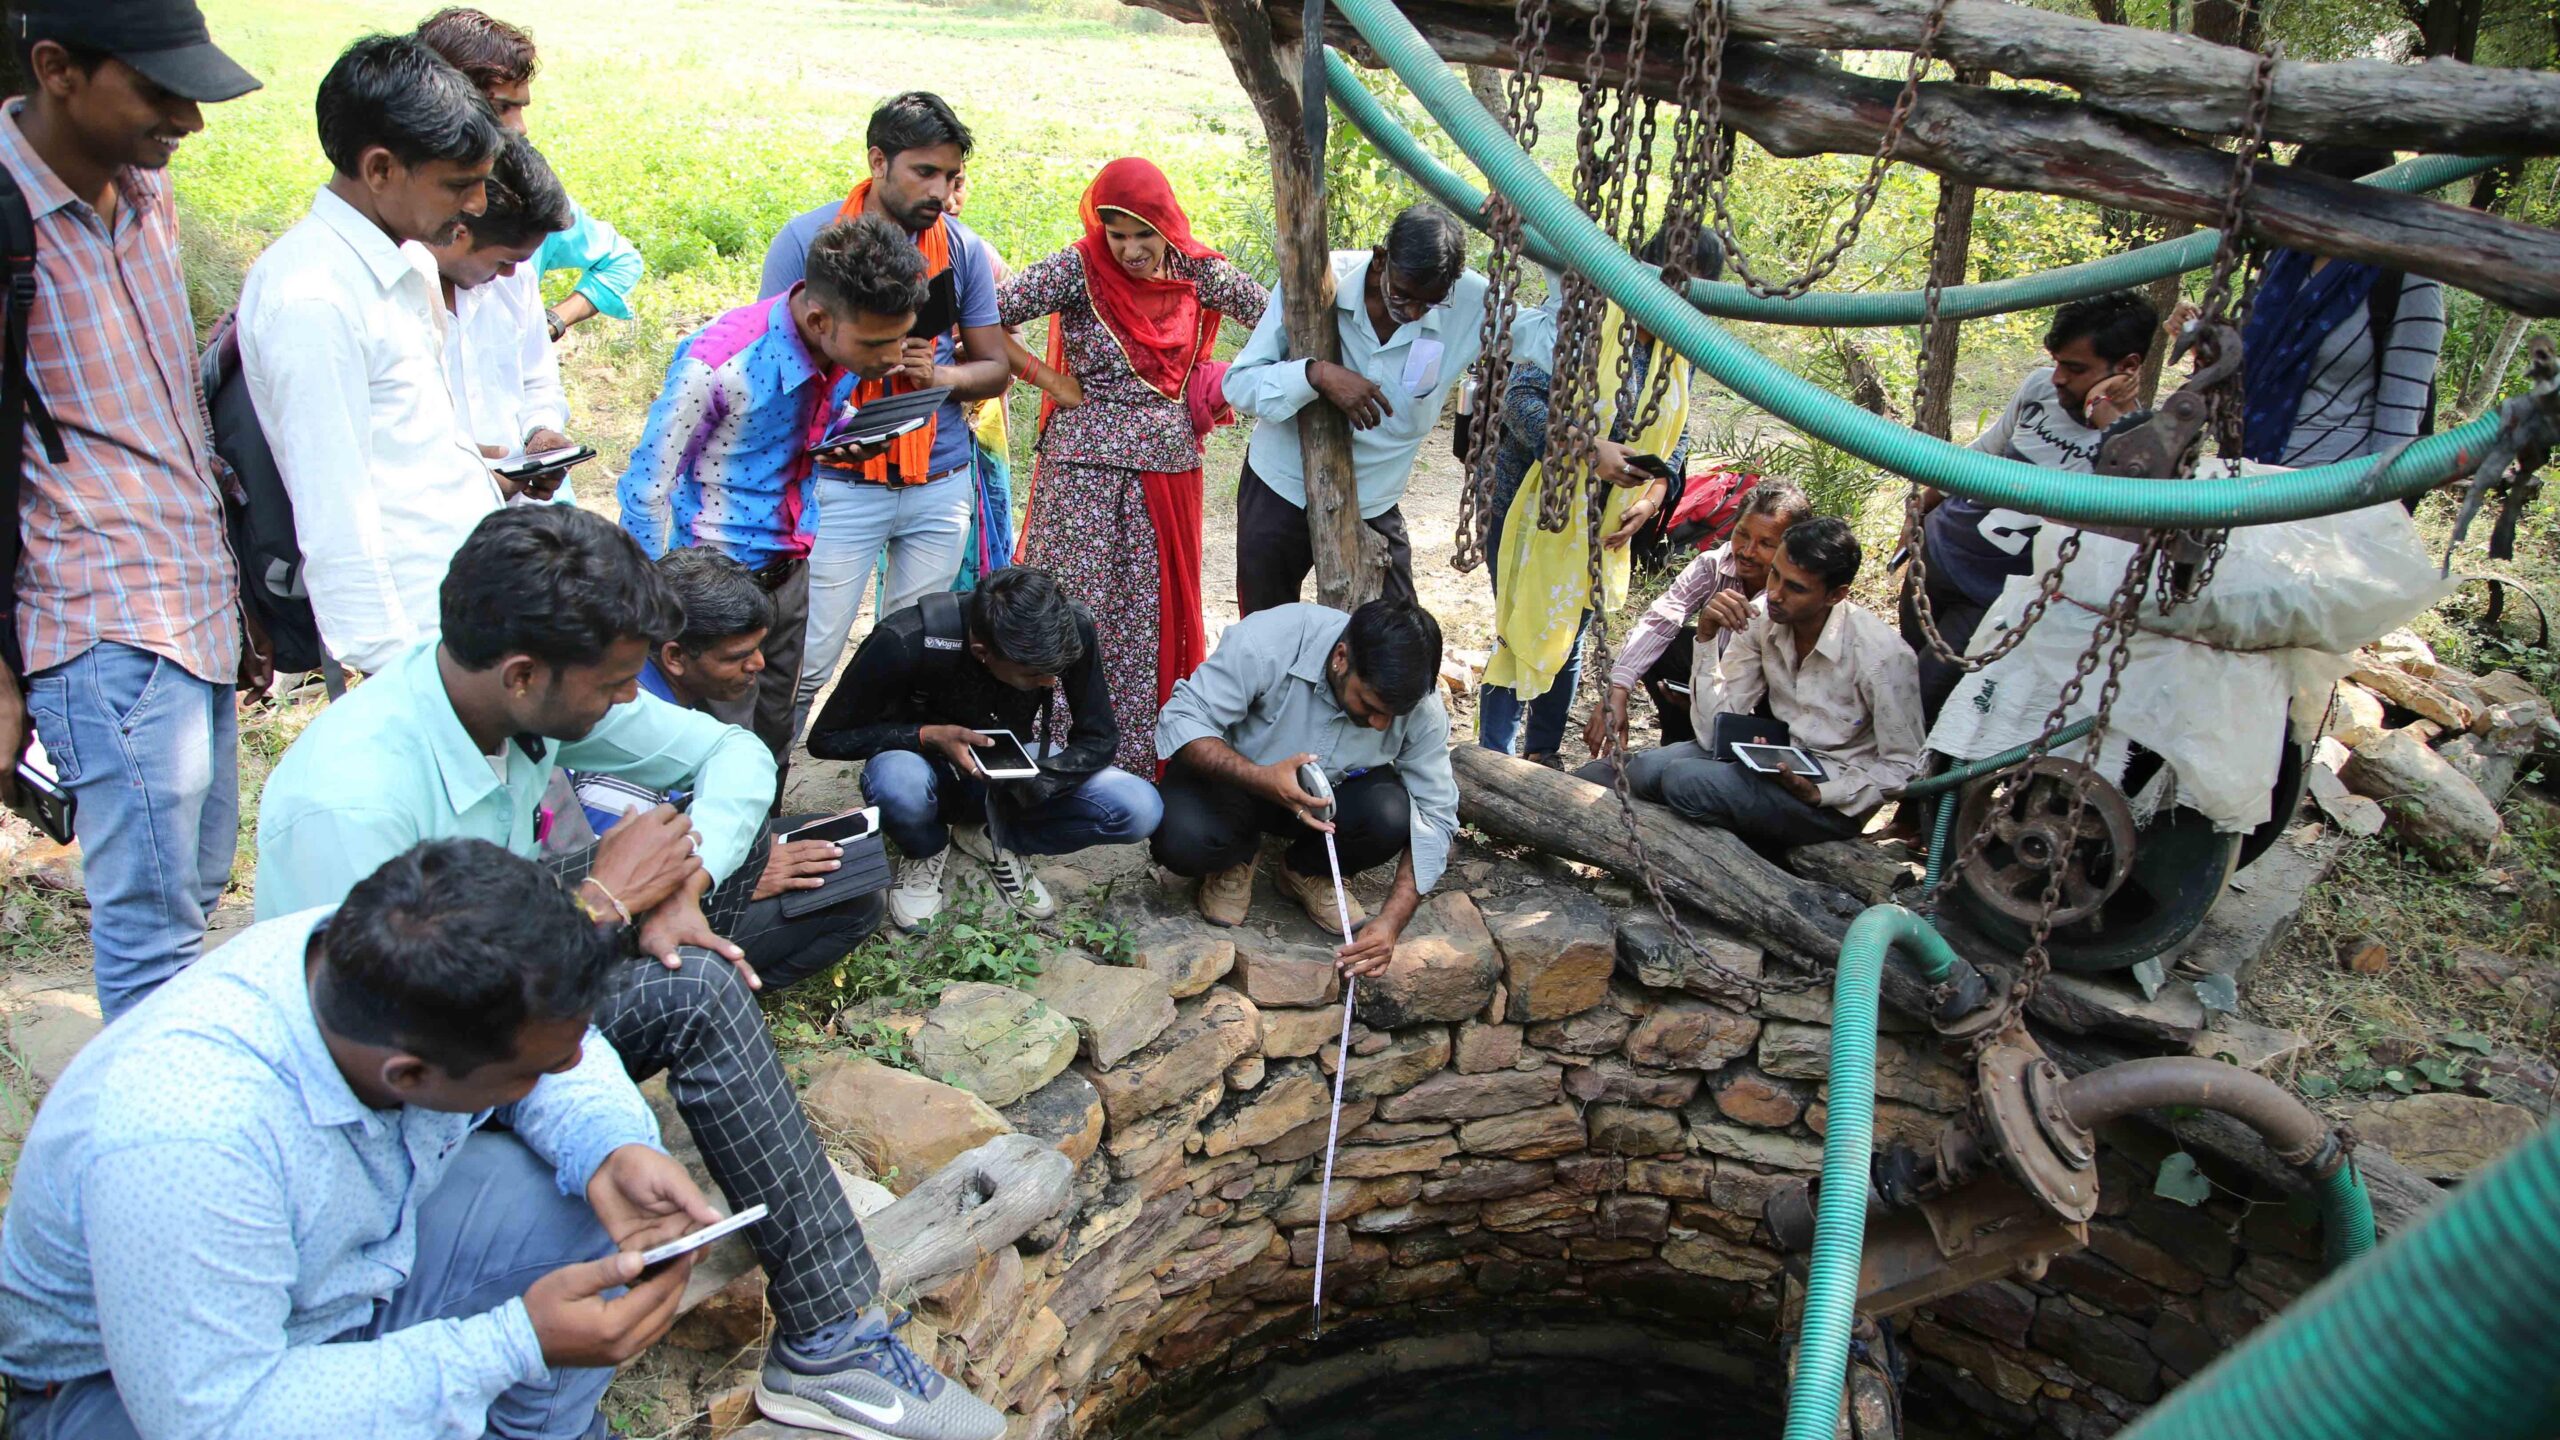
(909, 458)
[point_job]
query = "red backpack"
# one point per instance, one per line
(1708, 505)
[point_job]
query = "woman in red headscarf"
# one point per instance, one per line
(1115, 492)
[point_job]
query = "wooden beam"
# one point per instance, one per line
(1795, 105)
(1346, 551)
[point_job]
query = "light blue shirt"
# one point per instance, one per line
(203, 1205)
(609, 267)
(390, 765)
(1417, 369)
(1264, 691)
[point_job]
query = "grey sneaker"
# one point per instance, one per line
(856, 1378)
(917, 897)
(1021, 888)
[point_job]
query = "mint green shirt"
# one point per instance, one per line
(390, 765)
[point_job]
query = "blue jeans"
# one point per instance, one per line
(924, 529)
(1498, 708)
(920, 798)
(496, 1223)
(151, 755)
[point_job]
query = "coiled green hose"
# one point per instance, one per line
(1848, 1146)
(2443, 1334)
(2346, 1217)
(2080, 499)
(1841, 309)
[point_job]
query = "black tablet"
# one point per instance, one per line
(883, 419)
(542, 462)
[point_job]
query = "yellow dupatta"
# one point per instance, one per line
(1542, 578)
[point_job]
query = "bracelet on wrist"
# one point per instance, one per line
(557, 326)
(620, 914)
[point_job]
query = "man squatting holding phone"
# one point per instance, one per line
(930, 702)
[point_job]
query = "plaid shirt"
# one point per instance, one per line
(125, 541)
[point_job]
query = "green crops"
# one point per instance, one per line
(2443, 1334)
(1837, 309)
(1848, 1145)
(2074, 498)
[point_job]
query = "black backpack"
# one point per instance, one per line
(256, 508)
(20, 405)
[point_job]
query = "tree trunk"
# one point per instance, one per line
(1866, 383)
(2163, 294)
(2480, 388)
(2035, 141)
(1346, 554)
(1704, 868)
(1934, 410)
(1487, 82)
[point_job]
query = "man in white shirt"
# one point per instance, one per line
(497, 351)
(1411, 318)
(342, 341)
(1839, 679)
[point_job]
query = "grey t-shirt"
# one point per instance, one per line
(1974, 548)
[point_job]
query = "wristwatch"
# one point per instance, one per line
(559, 327)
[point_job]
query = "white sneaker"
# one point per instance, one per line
(971, 840)
(1020, 888)
(917, 897)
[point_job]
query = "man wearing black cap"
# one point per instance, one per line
(119, 631)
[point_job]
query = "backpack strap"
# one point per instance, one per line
(19, 402)
(946, 640)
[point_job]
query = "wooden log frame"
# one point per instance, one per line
(1795, 105)
(1349, 558)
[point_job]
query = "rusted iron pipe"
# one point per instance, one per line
(2292, 1130)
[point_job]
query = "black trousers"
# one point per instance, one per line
(1671, 706)
(701, 1026)
(1957, 618)
(786, 951)
(1209, 826)
(1274, 552)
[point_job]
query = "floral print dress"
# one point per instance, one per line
(1088, 524)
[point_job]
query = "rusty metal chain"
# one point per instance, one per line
(2227, 405)
(1523, 92)
(1720, 20)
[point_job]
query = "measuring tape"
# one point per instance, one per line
(1311, 780)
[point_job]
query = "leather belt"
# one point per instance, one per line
(780, 572)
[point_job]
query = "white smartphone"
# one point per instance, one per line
(650, 1259)
(1006, 759)
(1768, 758)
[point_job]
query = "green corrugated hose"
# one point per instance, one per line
(2080, 499)
(1848, 1156)
(2443, 1334)
(1841, 309)
(2346, 1217)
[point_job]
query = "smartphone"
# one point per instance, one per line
(1653, 465)
(1676, 687)
(543, 462)
(1768, 759)
(1006, 759)
(839, 829)
(41, 798)
(651, 1259)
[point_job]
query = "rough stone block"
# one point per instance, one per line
(1905, 1070)
(1634, 1217)
(1210, 1031)
(1677, 1179)
(1651, 956)
(1116, 1009)
(1714, 1135)
(1278, 975)
(1680, 1033)
(1610, 1080)
(2101, 1347)
(1413, 1157)
(1718, 1258)
(1536, 1211)
(1247, 1073)
(1634, 1130)
(2442, 1136)
(1308, 1139)
(1447, 1095)
(1293, 1094)
(1445, 976)
(1482, 1049)
(1228, 1251)
(904, 1125)
(1596, 1031)
(1539, 1134)
(993, 1041)
(1558, 952)
(1396, 1132)
(1185, 954)
(1066, 1112)
(2002, 1310)
(1745, 1094)
(1591, 1174)
(1469, 1180)
(1288, 1034)
(1400, 1064)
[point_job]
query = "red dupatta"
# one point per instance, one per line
(1156, 320)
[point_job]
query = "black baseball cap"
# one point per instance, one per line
(166, 40)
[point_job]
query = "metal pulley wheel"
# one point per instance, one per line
(2029, 814)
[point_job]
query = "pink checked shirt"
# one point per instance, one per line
(124, 542)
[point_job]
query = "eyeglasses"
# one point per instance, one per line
(1403, 304)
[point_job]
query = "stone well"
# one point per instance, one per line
(1558, 1137)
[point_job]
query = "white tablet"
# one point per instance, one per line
(1768, 759)
(1006, 759)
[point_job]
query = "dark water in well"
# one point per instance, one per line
(1544, 1399)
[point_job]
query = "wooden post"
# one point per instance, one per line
(1938, 348)
(1349, 558)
